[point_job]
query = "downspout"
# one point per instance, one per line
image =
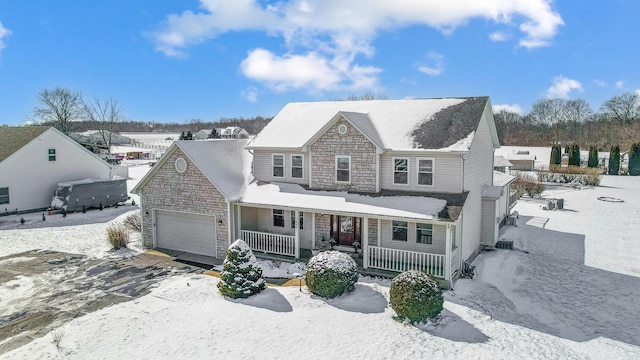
(229, 225)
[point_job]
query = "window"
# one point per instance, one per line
(278, 218)
(296, 166)
(278, 165)
(4, 195)
(300, 220)
(343, 169)
(424, 233)
(399, 230)
(400, 171)
(52, 154)
(425, 172)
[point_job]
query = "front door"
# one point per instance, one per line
(346, 229)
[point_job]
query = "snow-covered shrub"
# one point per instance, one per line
(416, 296)
(117, 235)
(331, 274)
(241, 274)
(576, 175)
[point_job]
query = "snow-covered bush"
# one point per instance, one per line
(331, 274)
(241, 274)
(416, 296)
(527, 184)
(117, 235)
(584, 176)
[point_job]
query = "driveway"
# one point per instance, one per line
(41, 290)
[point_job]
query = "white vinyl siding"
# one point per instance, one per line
(401, 171)
(437, 246)
(343, 169)
(489, 222)
(478, 172)
(447, 175)
(263, 170)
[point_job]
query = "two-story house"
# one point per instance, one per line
(401, 180)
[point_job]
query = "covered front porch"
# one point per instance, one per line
(380, 245)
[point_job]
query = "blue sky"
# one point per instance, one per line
(171, 61)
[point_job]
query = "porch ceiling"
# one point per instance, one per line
(295, 196)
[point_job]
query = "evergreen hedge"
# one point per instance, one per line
(634, 160)
(593, 157)
(574, 155)
(614, 160)
(556, 155)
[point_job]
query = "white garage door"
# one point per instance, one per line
(188, 232)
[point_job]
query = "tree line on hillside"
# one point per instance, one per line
(560, 121)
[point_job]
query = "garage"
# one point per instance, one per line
(183, 231)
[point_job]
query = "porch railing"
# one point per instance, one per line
(403, 260)
(513, 198)
(269, 243)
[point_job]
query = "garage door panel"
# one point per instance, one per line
(188, 232)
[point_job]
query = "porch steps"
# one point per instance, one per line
(504, 244)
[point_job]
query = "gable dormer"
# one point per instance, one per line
(344, 154)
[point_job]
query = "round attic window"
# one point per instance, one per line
(342, 129)
(181, 165)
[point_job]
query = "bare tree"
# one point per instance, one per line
(59, 107)
(550, 112)
(624, 108)
(106, 113)
(365, 96)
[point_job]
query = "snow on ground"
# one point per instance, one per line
(568, 291)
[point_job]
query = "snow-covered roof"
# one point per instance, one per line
(295, 196)
(396, 124)
(521, 157)
(117, 149)
(501, 179)
(224, 162)
(501, 161)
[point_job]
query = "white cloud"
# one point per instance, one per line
(4, 33)
(498, 36)
(599, 83)
(334, 33)
(562, 86)
(309, 71)
(511, 108)
(251, 94)
(620, 84)
(434, 70)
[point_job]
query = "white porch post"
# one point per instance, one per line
(447, 252)
(297, 241)
(365, 243)
(313, 230)
(239, 229)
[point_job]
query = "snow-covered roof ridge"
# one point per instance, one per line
(396, 124)
(224, 162)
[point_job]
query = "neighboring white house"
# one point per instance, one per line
(402, 181)
(33, 159)
(234, 132)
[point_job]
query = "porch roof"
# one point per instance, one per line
(295, 196)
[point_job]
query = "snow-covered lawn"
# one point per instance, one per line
(570, 290)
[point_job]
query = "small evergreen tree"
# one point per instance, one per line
(241, 274)
(593, 157)
(214, 134)
(634, 160)
(567, 149)
(574, 155)
(189, 135)
(181, 137)
(556, 155)
(614, 160)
